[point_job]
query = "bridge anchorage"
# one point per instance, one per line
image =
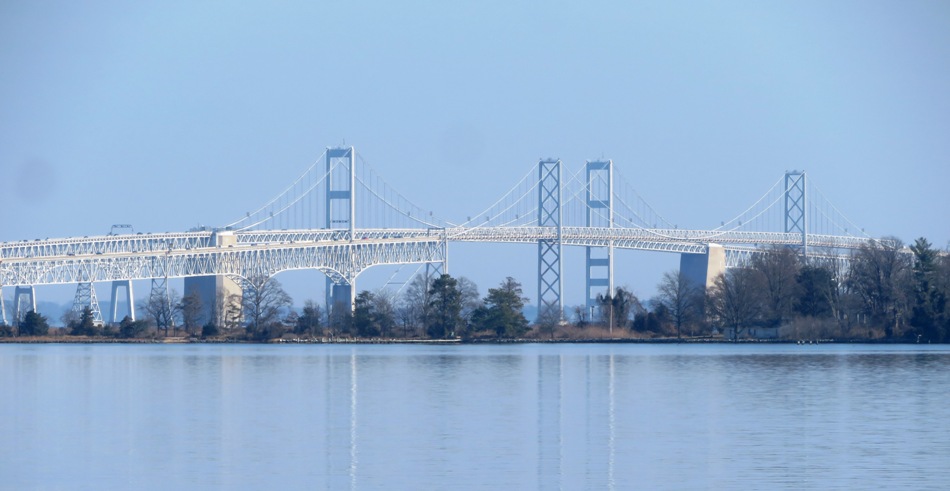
(340, 217)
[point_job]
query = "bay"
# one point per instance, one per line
(524, 416)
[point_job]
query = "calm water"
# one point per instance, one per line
(493, 417)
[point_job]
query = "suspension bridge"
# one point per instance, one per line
(341, 217)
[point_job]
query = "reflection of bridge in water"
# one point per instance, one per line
(340, 217)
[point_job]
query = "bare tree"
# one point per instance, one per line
(264, 302)
(162, 310)
(618, 309)
(406, 317)
(385, 310)
(191, 308)
(779, 267)
(735, 299)
(581, 318)
(234, 313)
(417, 300)
(683, 299)
(548, 319)
(470, 299)
(880, 276)
(69, 318)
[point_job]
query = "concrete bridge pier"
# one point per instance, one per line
(18, 293)
(340, 295)
(127, 286)
(215, 291)
(702, 269)
(3, 309)
(212, 290)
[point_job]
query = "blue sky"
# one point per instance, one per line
(173, 114)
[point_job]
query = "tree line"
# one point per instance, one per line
(437, 308)
(885, 291)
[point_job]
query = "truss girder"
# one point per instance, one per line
(841, 259)
(106, 244)
(66, 261)
(342, 261)
(598, 236)
(517, 234)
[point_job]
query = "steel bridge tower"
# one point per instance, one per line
(341, 215)
(796, 211)
(159, 293)
(550, 290)
(86, 297)
(600, 213)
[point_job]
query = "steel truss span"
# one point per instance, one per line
(339, 253)
(342, 261)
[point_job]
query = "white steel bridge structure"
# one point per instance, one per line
(313, 225)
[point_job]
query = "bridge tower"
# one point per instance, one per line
(86, 297)
(550, 290)
(796, 211)
(600, 213)
(437, 269)
(18, 293)
(127, 286)
(341, 215)
(3, 309)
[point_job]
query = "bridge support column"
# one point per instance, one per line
(550, 290)
(600, 213)
(3, 309)
(215, 292)
(86, 297)
(340, 299)
(340, 295)
(701, 270)
(18, 311)
(127, 286)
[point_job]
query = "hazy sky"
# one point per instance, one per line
(166, 115)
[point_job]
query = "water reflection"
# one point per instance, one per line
(523, 416)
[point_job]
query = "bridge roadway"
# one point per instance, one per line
(342, 258)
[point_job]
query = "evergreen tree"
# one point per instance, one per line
(309, 320)
(34, 324)
(86, 326)
(818, 291)
(503, 310)
(929, 312)
(445, 305)
(364, 315)
(129, 328)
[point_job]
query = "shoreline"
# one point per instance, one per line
(182, 340)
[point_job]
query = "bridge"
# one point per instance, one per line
(341, 217)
